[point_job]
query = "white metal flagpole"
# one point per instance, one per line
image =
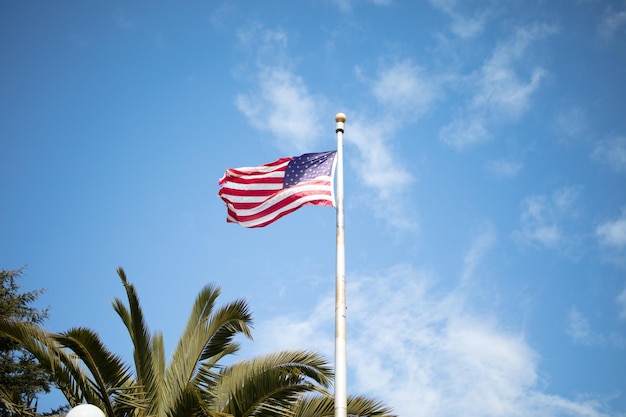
(341, 398)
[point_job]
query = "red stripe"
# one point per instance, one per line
(280, 204)
(225, 193)
(265, 180)
(244, 193)
(284, 213)
(256, 170)
(268, 175)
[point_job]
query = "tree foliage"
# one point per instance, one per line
(195, 382)
(22, 378)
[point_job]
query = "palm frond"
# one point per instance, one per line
(158, 357)
(64, 367)
(188, 403)
(224, 324)
(208, 337)
(107, 369)
(269, 383)
(194, 383)
(140, 335)
(324, 406)
(191, 344)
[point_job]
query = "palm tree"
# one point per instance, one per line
(194, 383)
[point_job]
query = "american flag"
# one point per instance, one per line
(258, 196)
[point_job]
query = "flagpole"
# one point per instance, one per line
(341, 401)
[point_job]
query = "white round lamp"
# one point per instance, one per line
(85, 410)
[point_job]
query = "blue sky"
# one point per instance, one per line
(485, 164)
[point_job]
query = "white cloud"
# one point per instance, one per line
(570, 125)
(268, 45)
(613, 232)
(123, 21)
(464, 132)
(579, 329)
(500, 87)
(405, 87)
(346, 5)
(611, 236)
(425, 352)
(502, 168)
(404, 92)
(222, 16)
(462, 26)
(283, 106)
(543, 218)
(621, 304)
(612, 23)
(498, 92)
(468, 27)
(612, 152)
(380, 170)
(504, 92)
(377, 166)
(480, 246)
(280, 103)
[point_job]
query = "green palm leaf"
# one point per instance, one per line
(142, 343)
(324, 406)
(108, 371)
(194, 383)
(270, 384)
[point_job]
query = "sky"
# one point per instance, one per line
(485, 172)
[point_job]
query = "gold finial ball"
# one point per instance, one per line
(340, 118)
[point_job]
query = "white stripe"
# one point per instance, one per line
(255, 186)
(257, 177)
(277, 198)
(262, 168)
(274, 214)
(239, 199)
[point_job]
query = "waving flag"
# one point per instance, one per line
(258, 196)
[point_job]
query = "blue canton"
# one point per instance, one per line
(308, 167)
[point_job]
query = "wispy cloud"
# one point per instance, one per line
(611, 236)
(503, 168)
(485, 239)
(347, 5)
(380, 170)
(283, 106)
(427, 352)
(613, 22)
(281, 103)
(404, 92)
(223, 15)
(543, 218)
(122, 20)
(579, 329)
(570, 125)
(268, 45)
(621, 305)
(405, 87)
(613, 232)
(462, 25)
(465, 131)
(612, 152)
(497, 90)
